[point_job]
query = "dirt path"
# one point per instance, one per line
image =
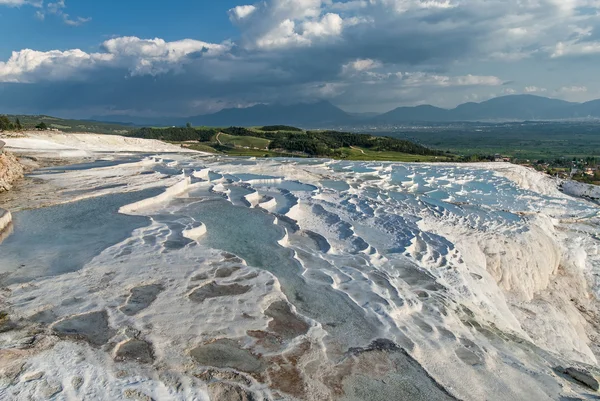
(361, 151)
(217, 138)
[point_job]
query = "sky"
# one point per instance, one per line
(81, 58)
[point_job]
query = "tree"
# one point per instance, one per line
(42, 126)
(18, 124)
(5, 124)
(188, 125)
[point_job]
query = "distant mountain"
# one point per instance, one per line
(417, 113)
(303, 114)
(139, 121)
(324, 114)
(508, 108)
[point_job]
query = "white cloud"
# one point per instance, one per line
(352, 5)
(156, 56)
(329, 25)
(404, 6)
(424, 79)
(575, 48)
(57, 8)
(241, 12)
(75, 22)
(17, 3)
(573, 89)
(535, 89)
(139, 56)
(361, 65)
(287, 34)
(28, 65)
(276, 24)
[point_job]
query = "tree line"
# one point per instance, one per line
(272, 128)
(330, 143)
(174, 134)
(7, 125)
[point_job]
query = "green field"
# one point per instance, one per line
(533, 141)
(243, 141)
(368, 155)
(198, 146)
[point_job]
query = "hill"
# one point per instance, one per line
(301, 114)
(293, 142)
(504, 108)
(68, 125)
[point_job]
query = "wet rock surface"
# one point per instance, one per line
(92, 327)
(214, 290)
(285, 323)
(44, 317)
(226, 353)
(399, 375)
(140, 298)
(224, 272)
(134, 350)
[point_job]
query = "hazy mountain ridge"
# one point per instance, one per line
(325, 114)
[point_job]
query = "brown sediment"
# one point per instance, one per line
(284, 373)
(214, 290)
(226, 353)
(284, 322)
(267, 341)
(380, 368)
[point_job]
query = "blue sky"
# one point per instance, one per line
(170, 20)
(87, 58)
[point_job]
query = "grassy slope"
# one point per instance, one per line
(356, 154)
(29, 122)
(244, 141)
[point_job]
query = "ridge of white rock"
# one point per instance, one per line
(65, 145)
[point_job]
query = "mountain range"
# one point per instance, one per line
(324, 114)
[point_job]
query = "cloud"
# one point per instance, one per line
(361, 65)
(75, 22)
(573, 89)
(380, 53)
(29, 66)
(17, 3)
(535, 89)
(57, 8)
(240, 12)
(138, 56)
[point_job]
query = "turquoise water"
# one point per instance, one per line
(63, 238)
